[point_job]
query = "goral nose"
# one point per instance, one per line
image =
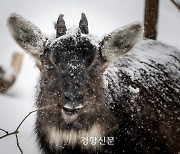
(73, 97)
(74, 102)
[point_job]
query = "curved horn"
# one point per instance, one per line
(83, 24)
(60, 26)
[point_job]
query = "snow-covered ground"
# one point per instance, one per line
(104, 16)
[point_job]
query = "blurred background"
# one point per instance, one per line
(104, 16)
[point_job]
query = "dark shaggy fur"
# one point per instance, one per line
(113, 89)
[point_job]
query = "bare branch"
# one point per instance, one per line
(8, 134)
(4, 130)
(18, 145)
(176, 4)
(20, 124)
(24, 119)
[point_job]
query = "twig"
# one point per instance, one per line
(18, 145)
(177, 5)
(4, 130)
(8, 134)
(25, 119)
(18, 127)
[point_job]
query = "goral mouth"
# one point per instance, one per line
(70, 113)
(70, 116)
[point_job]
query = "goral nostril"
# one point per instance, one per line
(69, 96)
(79, 97)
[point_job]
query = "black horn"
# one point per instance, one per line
(60, 26)
(83, 24)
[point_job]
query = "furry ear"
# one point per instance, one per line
(27, 35)
(120, 41)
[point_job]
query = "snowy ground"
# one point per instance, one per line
(104, 17)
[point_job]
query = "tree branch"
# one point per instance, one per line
(4, 130)
(16, 131)
(8, 134)
(176, 4)
(18, 145)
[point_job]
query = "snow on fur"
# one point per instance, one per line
(151, 64)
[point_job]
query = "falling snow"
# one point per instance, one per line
(140, 68)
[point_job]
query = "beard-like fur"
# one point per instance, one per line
(58, 132)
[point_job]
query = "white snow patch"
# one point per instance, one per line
(73, 32)
(142, 56)
(133, 90)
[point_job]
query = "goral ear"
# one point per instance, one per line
(120, 41)
(27, 35)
